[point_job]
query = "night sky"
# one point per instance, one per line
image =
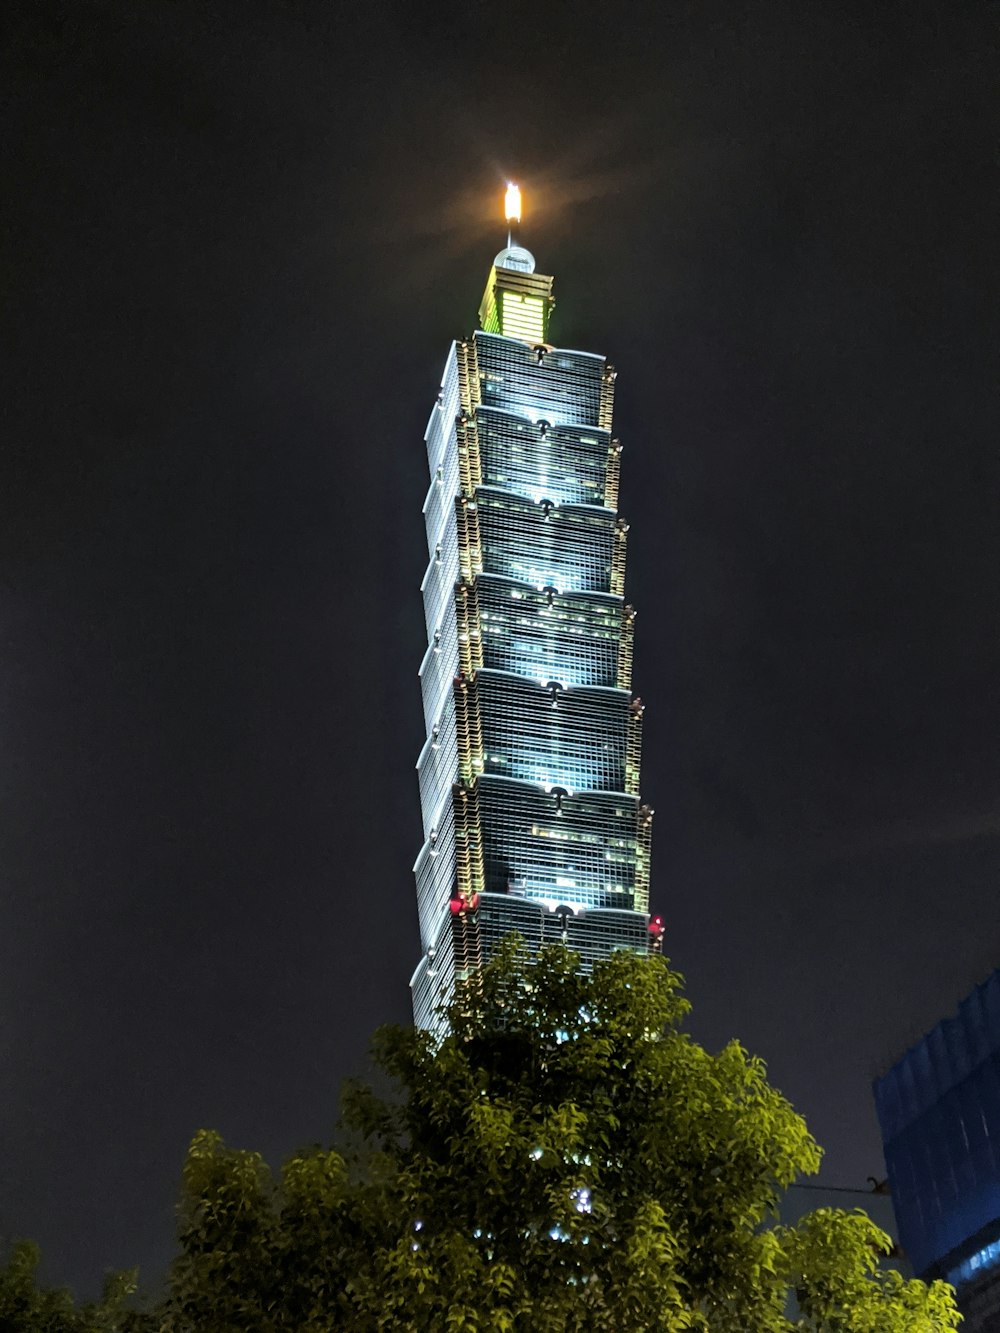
(238, 238)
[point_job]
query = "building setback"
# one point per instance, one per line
(529, 778)
(939, 1112)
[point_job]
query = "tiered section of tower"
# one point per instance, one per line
(529, 779)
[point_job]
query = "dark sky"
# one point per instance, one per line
(238, 238)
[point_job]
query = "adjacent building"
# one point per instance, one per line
(939, 1111)
(529, 777)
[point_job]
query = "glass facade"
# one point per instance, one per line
(939, 1112)
(529, 778)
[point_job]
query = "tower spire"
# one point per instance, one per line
(517, 301)
(512, 210)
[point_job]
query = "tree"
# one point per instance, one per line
(566, 1159)
(27, 1308)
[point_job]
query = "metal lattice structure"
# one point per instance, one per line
(529, 778)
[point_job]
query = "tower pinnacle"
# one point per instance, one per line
(512, 203)
(517, 301)
(516, 257)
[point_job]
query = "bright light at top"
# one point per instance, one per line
(512, 203)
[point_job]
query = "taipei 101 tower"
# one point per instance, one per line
(529, 778)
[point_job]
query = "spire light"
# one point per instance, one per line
(512, 203)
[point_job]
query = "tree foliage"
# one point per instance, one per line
(25, 1307)
(566, 1159)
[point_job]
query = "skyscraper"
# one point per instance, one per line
(939, 1112)
(529, 778)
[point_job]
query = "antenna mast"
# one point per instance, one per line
(512, 209)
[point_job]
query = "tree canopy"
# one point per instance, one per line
(566, 1158)
(26, 1307)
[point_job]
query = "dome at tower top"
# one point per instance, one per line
(517, 258)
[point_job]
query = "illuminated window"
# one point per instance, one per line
(987, 1257)
(523, 317)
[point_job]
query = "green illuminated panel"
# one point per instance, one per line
(523, 317)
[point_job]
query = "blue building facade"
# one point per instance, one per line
(939, 1112)
(529, 777)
